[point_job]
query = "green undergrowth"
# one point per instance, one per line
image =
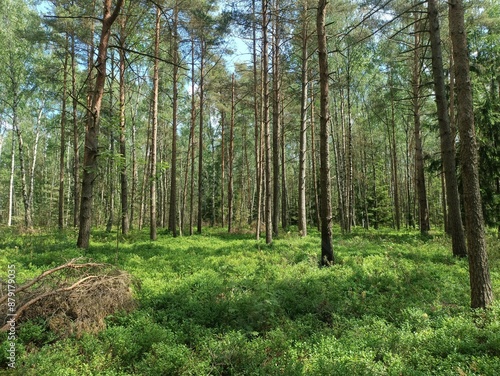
(395, 303)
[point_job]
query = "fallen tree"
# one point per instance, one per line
(72, 298)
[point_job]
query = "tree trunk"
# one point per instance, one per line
(11, 180)
(423, 209)
(230, 200)
(327, 256)
(154, 131)
(447, 141)
(31, 192)
(481, 290)
(191, 136)
(24, 189)
(60, 203)
(284, 190)
(394, 161)
(172, 218)
(302, 225)
(76, 138)
(313, 159)
(257, 127)
(200, 137)
(276, 119)
(110, 197)
(123, 140)
(349, 207)
(92, 131)
(265, 122)
(135, 174)
(223, 166)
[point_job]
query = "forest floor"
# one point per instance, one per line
(395, 303)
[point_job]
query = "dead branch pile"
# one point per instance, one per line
(72, 298)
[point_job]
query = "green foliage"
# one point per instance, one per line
(220, 304)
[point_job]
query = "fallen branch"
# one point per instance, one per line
(73, 297)
(69, 264)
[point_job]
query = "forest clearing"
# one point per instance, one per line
(395, 303)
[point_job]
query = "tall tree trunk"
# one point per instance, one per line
(302, 225)
(92, 131)
(265, 121)
(257, 126)
(447, 141)
(223, 166)
(313, 159)
(154, 130)
(123, 140)
(349, 191)
(135, 175)
(111, 183)
(11, 180)
(480, 282)
(191, 136)
(284, 190)
(24, 189)
(76, 137)
(423, 209)
(200, 137)
(276, 118)
(172, 218)
(230, 200)
(60, 203)
(327, 256)
(110, 198)
(394, 160)
(31, 191)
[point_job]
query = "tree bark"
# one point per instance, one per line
(200, 137)
(480, 282)
(276, 119)
(123, 140)
(394, 160)
(154, 130)
(447, 141)
(11, 180)
(191, 137)
(265, 122)
(76, 137)
(28, 223)
(423, 209)
(60, 203)
(313, 160)
(302, 225)
(257, 127)
(172, 218)
(327, 255)
(230, 200)
(92, 131)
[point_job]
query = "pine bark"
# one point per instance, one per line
(302, 225)
(480, 282)
(200, 137)
(423, 208)
(327, 255)
(154, 131)
(122, 141)
(60, 203)
(265, 122)
(92, 131)
(172, 218)
(276, 119)
(447, 148)
(230, 187)
(76, 138)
